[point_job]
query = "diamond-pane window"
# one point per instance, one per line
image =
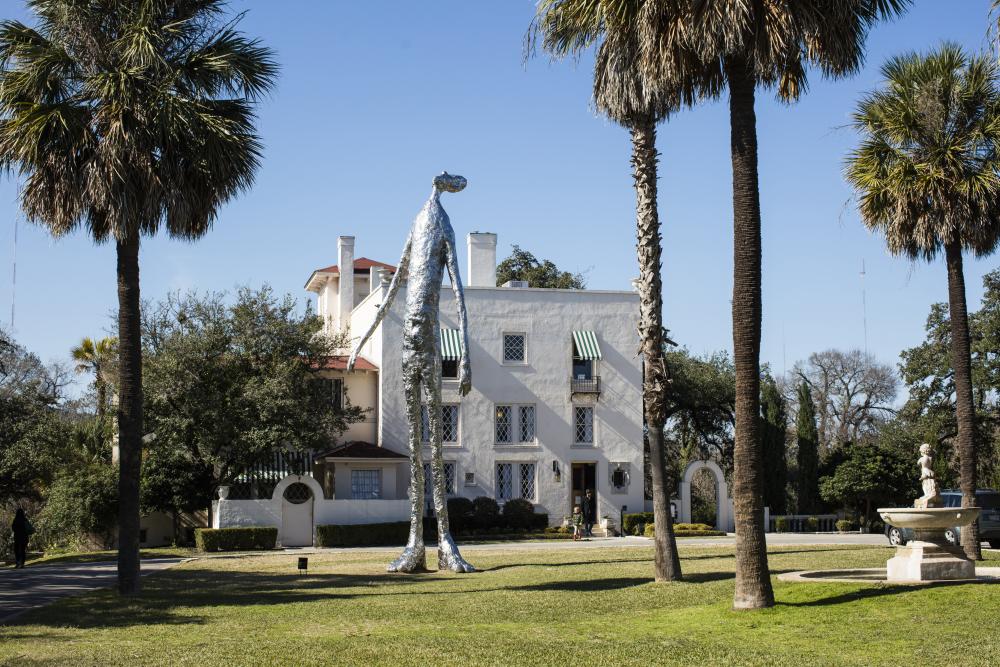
(505, 482)
(526, 423)
(449, 481)
(527, 481)
(513, 347)
(449, 423)
(298, 493)
(449, 477)
(504, 423)
(583, 421)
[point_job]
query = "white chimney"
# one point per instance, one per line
(374, 279)
(482, 259)
(345, 297)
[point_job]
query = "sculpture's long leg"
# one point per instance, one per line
(449, 557)
(414, 556)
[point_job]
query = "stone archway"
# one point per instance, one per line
(724, 504)
(296, 496)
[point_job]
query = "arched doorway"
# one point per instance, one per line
(297, 499)
(724, 504)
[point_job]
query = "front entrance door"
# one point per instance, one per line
(584, 477)
(297, 516)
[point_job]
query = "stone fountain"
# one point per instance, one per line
(929, 556)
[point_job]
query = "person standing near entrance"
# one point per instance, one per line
(589, 513)
(22, 530)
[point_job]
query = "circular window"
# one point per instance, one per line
(298, 493)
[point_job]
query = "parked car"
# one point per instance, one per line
(989, 519)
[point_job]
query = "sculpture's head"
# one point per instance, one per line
(925, 449)
(445, 182)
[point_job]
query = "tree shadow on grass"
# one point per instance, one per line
(584, 585)
(876, 591)
(607, 561)
(186, 589)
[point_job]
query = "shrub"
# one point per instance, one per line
(845, 525)
(649, 530)
(812, 524)
(781, 524)
(485, 513)
(518, 514)
(692, 527)
(365, 534)
(633, 524)
(254, 538)
(81, 509)
(460, 514)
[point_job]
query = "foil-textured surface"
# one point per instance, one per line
(429, 252)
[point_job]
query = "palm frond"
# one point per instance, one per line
(127, 115)
(927, 171)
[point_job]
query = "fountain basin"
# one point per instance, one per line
(929, 556)
(930, 518)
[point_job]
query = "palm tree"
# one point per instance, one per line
(745, 45)
(125, 116)
(740, 45)
(570, 26)
(928, 177)
(97, 357)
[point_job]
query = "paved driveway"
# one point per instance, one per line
(39, 585)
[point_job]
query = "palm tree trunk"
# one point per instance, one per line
(667, 565)
(129, 415)
(965, 416)
(753, 580)
(102, 398)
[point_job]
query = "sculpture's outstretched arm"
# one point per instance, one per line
(383, 310)
(465, 372)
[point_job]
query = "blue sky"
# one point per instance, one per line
(377, 97)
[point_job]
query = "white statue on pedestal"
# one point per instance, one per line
(931, 497)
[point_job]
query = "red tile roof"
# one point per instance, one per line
(361, 265)
(338, 362)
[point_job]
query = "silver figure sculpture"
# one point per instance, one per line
(430, 249)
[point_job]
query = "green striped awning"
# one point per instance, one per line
(585, 344)
(451, 344)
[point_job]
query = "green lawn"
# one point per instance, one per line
(560, 606)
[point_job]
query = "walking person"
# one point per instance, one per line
(577, 523)
(589, 513)
(22, 529)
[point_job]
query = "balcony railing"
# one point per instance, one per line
(585, 386)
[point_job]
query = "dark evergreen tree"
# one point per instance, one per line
(774, 421)
(807, 437)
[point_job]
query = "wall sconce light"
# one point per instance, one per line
(556, 471)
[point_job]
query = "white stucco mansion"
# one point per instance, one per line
(555, 406)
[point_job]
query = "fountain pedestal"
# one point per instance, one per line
(929, 557)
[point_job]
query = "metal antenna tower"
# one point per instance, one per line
(13, 280)
(864, 306)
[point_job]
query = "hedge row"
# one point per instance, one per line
(396, 533)
(641, 522)
(633, 523)
(483, 516)
(686, 530)
(257, 538)
(363, 535)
